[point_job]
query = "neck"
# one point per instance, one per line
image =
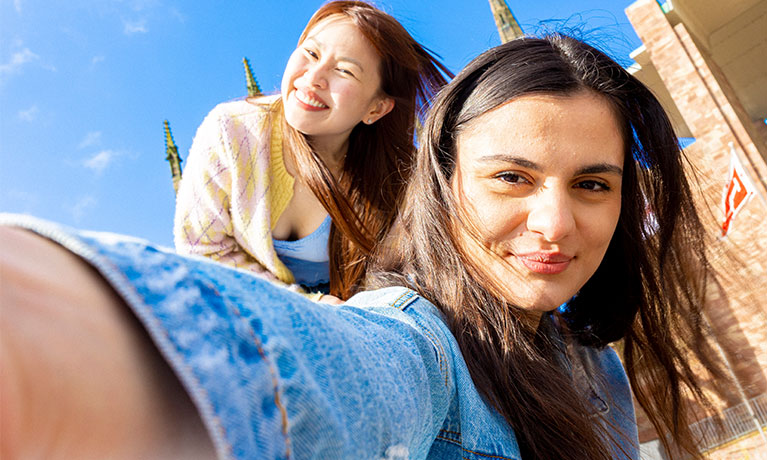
(332, 150)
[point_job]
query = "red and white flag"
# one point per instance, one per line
(737, 191)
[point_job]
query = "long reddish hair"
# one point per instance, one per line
(363, 200)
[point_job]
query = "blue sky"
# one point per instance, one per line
(86, 84)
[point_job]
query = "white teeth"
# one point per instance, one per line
(303, 97)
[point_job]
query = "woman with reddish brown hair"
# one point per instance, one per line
(299, 186)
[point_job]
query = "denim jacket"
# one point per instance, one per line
(471, 428)
(277, 376)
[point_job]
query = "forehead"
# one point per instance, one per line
(344, 36)
(547, 127)
(336, 24)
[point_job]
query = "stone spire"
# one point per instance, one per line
(508, 27)
(253, 88)
(172, 156)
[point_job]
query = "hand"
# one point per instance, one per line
(331, 299)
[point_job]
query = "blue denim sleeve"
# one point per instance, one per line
(354, 382)
(272, 374)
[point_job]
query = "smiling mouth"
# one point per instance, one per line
(310, 101)
(545, 264)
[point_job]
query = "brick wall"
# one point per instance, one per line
(737, 303)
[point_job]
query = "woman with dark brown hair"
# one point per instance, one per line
(522, 250)
(532, 189)
(299, 186)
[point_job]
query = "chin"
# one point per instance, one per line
(545, 308)
(540, 303)
(537, 295)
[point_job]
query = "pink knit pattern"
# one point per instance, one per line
(234, 188)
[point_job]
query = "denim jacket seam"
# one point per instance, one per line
(459, 442)
(441, 355)
(402, 302)
(501, 457)
(451, 436)
(452, 441)
(192, 375)
(274, 375)
(160, 326)
(405, 300)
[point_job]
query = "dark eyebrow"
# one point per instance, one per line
(340, 58)
(510, 159)
(598, 168)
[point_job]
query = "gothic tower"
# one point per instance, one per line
(508, 27)
(253, 88)
(172, 156)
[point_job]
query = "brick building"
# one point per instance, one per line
(706, 60)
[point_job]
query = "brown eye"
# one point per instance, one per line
(512, 178)
(593, 185)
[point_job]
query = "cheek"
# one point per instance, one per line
(292, 68)
(601, 231)
(348, 95)
(495, 220)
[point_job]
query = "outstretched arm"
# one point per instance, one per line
(271, 373)
(78, 375)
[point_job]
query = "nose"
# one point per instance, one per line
(551, 215)
(315, 75)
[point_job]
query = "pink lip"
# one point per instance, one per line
(308, 107)
(545, 263)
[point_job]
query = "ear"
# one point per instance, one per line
(379, 109)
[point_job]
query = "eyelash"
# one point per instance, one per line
(515, 179)
(603, 187)
(506, 176)
(314, 56)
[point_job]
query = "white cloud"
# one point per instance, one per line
(82, 206)
(96, 59)
(135, 27)
(17, 61)
(90, 139)
(29, 114)
(100, 161)
(17, 5)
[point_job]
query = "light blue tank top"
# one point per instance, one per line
(307, 257)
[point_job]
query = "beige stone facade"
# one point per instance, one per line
(707, 62)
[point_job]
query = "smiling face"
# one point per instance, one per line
(540, 179)
(332, 82)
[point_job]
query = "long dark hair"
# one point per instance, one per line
(648, 290)
(363, 201)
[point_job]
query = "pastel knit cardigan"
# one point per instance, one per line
(234, 188)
